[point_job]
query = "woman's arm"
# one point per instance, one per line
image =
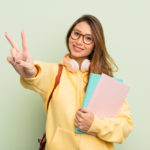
(107, 129)
(113, 129)
(43, 82)
(34, 75)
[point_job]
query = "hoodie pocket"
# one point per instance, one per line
(94, 143)
(63, 140)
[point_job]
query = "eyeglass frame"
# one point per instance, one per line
(80, 36)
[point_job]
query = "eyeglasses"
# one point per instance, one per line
(87, 39)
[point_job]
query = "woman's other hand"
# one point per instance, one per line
(21, 60)
(83, 120)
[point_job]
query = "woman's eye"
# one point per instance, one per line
(89, 38)
(76, 33)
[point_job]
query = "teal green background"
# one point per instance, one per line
(126, 27)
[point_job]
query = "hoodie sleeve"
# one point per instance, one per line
(113, 129)
(44, 81)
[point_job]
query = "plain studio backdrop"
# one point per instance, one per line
(126, 27)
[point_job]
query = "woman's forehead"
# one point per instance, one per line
(83, 28)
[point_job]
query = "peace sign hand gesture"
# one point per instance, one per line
(21, 60)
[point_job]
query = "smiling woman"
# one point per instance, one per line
(87, 54)
(85, 39)
(81, 42)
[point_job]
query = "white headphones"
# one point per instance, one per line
(73, 66)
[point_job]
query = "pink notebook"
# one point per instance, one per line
(108, 97)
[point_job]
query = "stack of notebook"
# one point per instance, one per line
(104, 96)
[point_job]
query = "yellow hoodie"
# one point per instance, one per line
(67, 99)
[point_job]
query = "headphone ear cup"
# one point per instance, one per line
(71, 65)
(74, 65)
(85, 65)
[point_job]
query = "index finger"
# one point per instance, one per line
(79, 113)
(24, 41)
(12, 43)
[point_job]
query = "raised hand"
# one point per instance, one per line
(21, 60)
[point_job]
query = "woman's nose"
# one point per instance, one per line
(80, 40)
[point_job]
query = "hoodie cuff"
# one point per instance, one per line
(95, 125)
(39, 70)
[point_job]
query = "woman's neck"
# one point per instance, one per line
(78, 59)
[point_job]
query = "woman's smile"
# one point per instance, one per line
(77, 49)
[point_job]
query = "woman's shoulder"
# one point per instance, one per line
(47, 66)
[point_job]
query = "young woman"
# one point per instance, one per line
(87, 54)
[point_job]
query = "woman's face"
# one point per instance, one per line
(81, 41)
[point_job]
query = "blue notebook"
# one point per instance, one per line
(93, 81)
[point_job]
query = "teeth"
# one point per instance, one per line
(78, 48)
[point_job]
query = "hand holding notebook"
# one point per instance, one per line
(104, 96)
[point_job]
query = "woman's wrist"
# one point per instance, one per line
(33, 73)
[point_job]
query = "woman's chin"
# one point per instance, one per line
(75, 55)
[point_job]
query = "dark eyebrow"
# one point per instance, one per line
(80, 32)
